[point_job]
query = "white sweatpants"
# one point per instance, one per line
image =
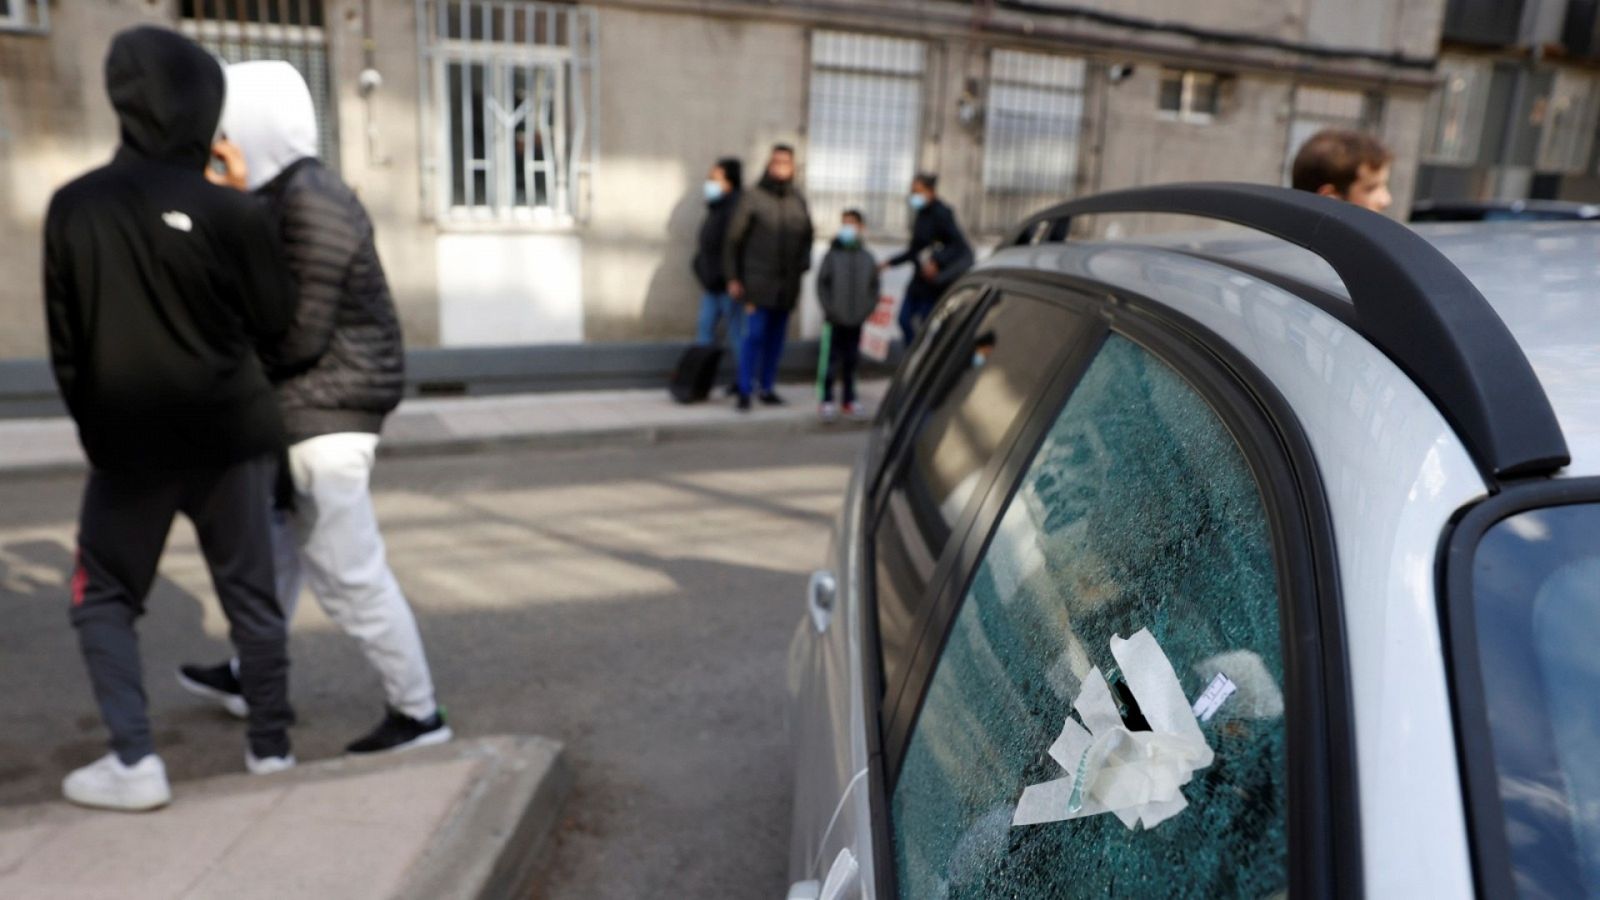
(334, 544)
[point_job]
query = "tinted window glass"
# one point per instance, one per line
(973, 399)
(949, 314)
(1137, 513)
(1536, 587)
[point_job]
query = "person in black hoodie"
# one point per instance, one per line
(767, 252)
(341, 370)
(938, 248)
(722, 189)
(160, 292)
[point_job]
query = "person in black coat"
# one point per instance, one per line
(161, 292)
(939, 250)
(340, 371)
(722, 188)
(768, 250)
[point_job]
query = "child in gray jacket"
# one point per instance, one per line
(847, 288)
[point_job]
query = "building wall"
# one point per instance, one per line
(55, 123)
(677, 92)
(680, 84)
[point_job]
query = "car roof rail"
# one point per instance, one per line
(1410, 301)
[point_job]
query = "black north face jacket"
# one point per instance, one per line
(161, 289)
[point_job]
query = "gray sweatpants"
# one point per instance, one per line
(122, 531)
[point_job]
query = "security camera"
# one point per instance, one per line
(1120, 72)
(369, 81)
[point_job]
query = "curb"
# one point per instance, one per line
(494, 843)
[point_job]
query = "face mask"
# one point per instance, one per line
(979, 360)
(713, 191)
(917, 201)
(848, 234)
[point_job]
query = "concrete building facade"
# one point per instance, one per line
(534, 168)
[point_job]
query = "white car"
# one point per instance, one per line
(1259, 566)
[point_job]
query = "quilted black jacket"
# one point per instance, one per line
(341, 367)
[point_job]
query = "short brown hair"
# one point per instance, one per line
(1334, 156)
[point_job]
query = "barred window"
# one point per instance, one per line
(1570, 113)
(1032, 128)
(24, 15)
(293, 31)
(1319, 108)
(511, 106)
(865, 126)
(1453, 129)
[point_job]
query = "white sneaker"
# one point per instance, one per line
(828, 413)
(268, 766)
(108, 784)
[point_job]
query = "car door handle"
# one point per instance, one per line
(820, 596)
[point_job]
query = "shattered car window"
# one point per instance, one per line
(1138, 527)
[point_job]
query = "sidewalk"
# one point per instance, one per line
(456, 424)
(466, 820)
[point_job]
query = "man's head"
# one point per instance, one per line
(167, 93)
(926, 186)
(1345, 165)
(270, 116)
(780, 166)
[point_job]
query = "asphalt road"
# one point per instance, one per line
(633, 602)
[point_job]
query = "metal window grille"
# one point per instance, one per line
(1453, 133)
(1570, 114)
(25, 15)
(289, 30)
(865, 126)
(513, 98)
(1318, 108)
(1033, 124)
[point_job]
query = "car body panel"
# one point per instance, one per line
(1540, 277)
(828, 718)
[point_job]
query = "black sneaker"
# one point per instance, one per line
(399, 731)
(772, 399)
(217, 683)
(743, 405)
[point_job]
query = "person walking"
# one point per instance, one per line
(159, 288)
(847, 289)
(938, 248)
(717, 307)
(768, 250)
(341, 372)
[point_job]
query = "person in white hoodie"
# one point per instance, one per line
(340, 372)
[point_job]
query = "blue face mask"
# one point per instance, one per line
(713, 191)
(917, 201)
(848, 235)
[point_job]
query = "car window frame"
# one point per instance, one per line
(1492, 872)
(1324, 820)
(949, 557)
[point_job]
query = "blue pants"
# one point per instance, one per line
(914, 311)
(716, 308)
(764, 333)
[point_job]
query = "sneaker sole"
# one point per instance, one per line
(150, 805)
(431, 739)
(233, 703)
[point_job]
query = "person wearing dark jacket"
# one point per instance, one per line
(722, 189)
(767, 251)
(847, 289)
(160, 290)
(938, 248)
(341, 370)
